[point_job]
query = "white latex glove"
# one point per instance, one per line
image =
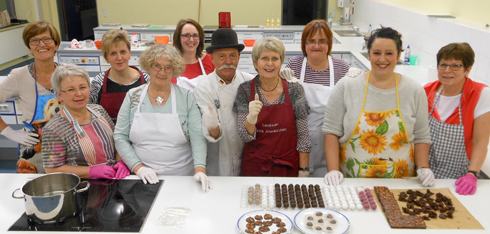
(288, 75)
(353, 72)
(205, 182)
(426, 176)
(254, 108)
(303, 174)
(148, 174)
(21, 136)
(210, 118)
(334, 177)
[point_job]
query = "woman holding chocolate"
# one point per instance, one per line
(272, 117)
(459, 120)
(386, 135)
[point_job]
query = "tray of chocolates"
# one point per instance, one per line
(321, 220)
(261, 221)
(302, 196)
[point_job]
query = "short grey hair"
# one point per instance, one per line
(271, 44)
(150, 56)
(68, 70)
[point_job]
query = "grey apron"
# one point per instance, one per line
(447, 155)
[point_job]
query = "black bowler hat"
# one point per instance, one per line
(224, 38)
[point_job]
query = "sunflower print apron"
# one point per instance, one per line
(379, 146)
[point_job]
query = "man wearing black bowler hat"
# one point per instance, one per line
(215, 95)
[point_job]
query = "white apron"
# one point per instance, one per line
(317, 96)
(190, 84)
(202, 67)
(158, 140)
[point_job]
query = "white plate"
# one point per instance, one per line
(341, 227)
(242, 223)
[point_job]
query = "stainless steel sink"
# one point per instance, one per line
(348, 33)
(365, 54)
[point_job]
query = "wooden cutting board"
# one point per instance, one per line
(462, 217)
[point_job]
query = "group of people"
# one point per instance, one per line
(305, 118)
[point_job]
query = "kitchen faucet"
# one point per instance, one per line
(356, 30)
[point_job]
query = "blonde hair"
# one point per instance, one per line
(271, 44)
(113, 36)
(150, 56)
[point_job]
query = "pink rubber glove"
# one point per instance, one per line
(101, 172)
(121, 170)
(466, 185)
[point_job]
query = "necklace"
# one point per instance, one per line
(158, 100)
(260, 85)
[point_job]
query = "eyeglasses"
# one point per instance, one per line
(188, 36)
(73, 91)
(46, 40)
(158, 68)
(319, 42)
(454, 67)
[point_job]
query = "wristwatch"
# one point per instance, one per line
(475, 173)
(304, 169)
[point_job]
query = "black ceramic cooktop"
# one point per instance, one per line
(107, 206)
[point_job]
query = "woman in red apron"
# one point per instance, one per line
(79, 138)
(459, 120)
(272, 117)
(375, 124)
(110, 87)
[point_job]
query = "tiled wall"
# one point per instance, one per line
(426, 35)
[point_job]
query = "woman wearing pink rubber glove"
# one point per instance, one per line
(459, 118)
(78, 139)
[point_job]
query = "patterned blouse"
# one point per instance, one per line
(60, 143)
(300, 106)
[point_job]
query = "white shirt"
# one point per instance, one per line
(447, 105)
(225, 153)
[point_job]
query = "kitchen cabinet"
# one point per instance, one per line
(11, 46)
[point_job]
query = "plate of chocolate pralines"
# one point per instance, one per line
(265, 221)
(321, 220)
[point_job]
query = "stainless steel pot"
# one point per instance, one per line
(52, 198)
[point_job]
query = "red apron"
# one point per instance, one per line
(112, 101)
(273, 153)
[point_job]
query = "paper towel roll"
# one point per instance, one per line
(432, 74)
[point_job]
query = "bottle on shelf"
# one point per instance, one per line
(272, 21)
(370, 29)
(278, 21)
(330, 19)
(407, 56)
(267, 22)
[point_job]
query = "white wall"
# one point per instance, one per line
(426, 35)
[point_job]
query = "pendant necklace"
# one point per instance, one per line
(158, 100)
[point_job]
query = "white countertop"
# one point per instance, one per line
(219, 210)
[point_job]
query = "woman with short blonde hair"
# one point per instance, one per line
(109, 87)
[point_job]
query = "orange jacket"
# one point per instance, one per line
(471, 95)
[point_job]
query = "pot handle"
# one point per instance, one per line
(87, 185)
(13, 194)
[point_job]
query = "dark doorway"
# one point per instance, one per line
(301, 12)
(78, 18)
